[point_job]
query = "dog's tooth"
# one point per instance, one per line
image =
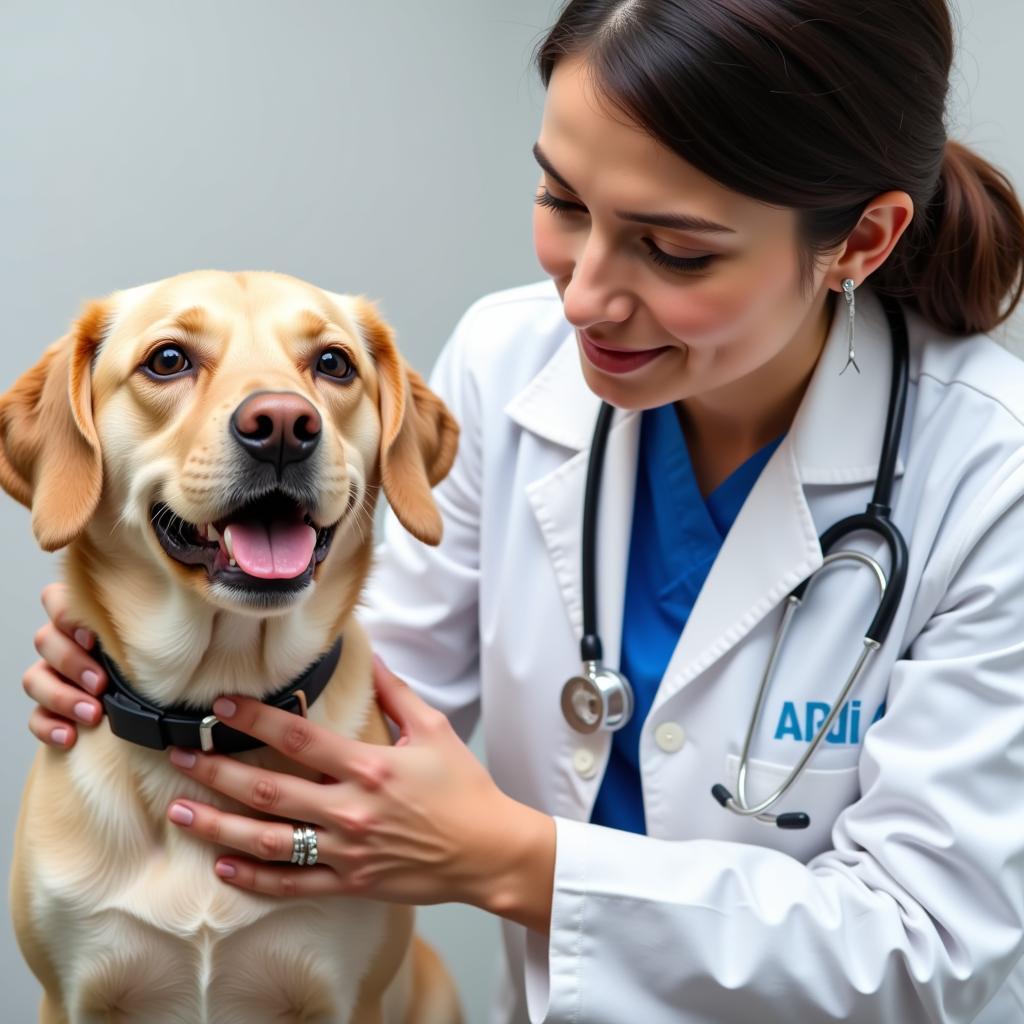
(228, 545)
(202, 531)
(212, 532)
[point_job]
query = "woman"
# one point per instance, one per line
(726, 185)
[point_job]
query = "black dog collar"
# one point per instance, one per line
(134, 718)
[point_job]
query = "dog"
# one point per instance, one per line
(209, 449)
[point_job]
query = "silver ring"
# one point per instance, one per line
(304, 849)
(298, 844)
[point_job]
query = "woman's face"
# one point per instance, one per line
(665, 308)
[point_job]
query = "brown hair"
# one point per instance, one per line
(818, 105)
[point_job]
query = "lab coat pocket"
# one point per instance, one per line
(822, 793)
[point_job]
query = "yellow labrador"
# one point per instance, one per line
(209, 448)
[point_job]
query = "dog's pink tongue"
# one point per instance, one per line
(272, 551)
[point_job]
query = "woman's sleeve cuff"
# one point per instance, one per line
(553, 963)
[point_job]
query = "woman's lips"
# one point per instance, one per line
(613, 360)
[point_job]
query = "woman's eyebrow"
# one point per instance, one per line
(677, 221)
(545, 163)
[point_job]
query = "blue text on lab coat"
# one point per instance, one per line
(802, 727)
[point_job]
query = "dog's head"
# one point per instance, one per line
(233, 427)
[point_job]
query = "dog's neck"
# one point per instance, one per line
(176, 647)
(135, 719)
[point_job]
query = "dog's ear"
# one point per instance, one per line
(418, 437)
(49, 452)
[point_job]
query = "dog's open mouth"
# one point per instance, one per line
(269, 543)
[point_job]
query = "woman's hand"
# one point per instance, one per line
(56, 681)
(419, 822)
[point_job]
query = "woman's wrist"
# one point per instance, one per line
(519, 884)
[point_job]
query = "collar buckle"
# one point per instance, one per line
(206, 732)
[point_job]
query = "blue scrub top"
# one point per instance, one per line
(675, 538)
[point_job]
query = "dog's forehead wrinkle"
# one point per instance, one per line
(309, 324)
(193, 320)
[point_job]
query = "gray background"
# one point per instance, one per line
(380, 148)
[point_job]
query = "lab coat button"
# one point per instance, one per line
(669, 736)
(585, 763)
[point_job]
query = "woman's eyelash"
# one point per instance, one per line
(663, 259)
(546, 199)
(677, 262)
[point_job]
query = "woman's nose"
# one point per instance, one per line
(594, 293)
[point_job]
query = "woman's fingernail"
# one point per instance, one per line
(225, 870)
(85, 712)
(90, 680)
(224, 708)
(59, 736)
(83, 638)
(183, 758)
(181, 814)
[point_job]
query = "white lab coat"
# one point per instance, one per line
(903, 902)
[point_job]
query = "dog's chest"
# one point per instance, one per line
(169, 947)
(133, 911)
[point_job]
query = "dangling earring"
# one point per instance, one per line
(848, 287)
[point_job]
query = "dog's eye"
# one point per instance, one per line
(335, 364)
(168, 361)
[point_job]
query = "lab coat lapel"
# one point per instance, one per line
(558, 406)
(773, 544)
(835, 438)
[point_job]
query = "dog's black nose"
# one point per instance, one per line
(277, 426)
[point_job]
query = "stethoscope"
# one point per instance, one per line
(601, 698)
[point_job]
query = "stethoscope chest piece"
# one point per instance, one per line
(599, 698)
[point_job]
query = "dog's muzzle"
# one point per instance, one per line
(266, 541)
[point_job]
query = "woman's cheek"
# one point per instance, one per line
(728, 306)
(706, 317)
(551, 247)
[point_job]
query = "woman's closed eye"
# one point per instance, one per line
(566, 207)
(549, 202)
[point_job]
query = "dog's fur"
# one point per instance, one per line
(118, 912)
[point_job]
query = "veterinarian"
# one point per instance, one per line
(775, 268)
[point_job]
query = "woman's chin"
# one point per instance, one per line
(649, 387)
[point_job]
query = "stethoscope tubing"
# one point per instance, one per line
(590, 644)
(740, 804)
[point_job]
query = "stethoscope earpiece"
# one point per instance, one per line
(788, 819)
(602, 699)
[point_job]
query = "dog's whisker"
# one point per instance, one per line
(357, 525)
(363, 520)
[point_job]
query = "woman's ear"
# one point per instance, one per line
(418, 437)
(49, 452)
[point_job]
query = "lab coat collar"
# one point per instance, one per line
(557, 404)
(835, 439)
(836, 434)
(839, 427)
